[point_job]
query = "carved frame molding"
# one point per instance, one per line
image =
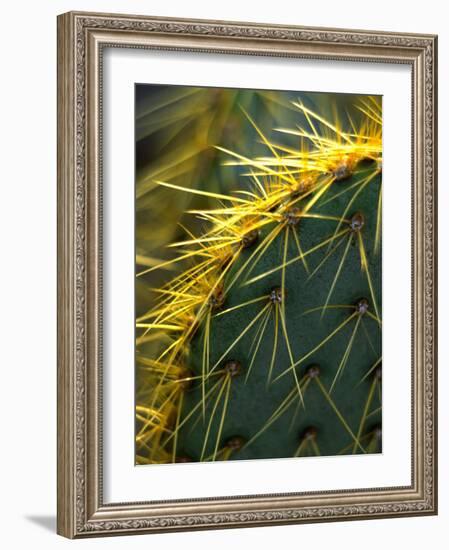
(81, 39)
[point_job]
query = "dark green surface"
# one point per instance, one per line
(252, 403)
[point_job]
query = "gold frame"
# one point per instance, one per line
(81, 38)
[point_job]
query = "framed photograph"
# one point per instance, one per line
(246, 274)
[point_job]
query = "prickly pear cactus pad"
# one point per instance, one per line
(258, 274)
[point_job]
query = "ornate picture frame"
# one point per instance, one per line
(82, 39)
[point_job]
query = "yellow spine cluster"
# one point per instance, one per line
(283, 188)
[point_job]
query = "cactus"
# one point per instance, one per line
(266, 340)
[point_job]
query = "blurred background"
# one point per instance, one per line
(176, 131)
